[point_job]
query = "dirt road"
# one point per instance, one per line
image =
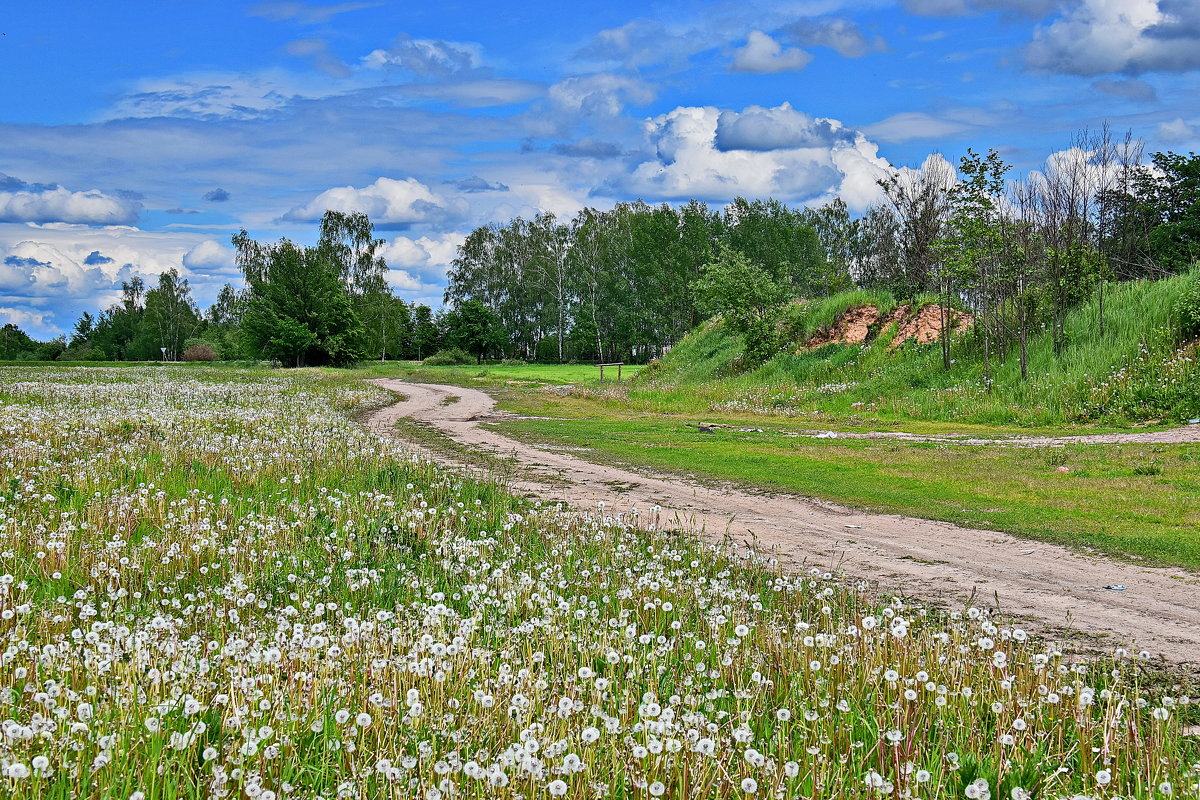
(1054, 589)
(1186, 435)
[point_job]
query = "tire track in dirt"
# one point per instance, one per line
(1054, 589)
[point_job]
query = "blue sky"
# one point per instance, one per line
(138, 136)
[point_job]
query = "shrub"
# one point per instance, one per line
(1187, 310)
(201, 351)
(455, 356)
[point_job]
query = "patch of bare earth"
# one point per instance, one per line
(1056, 590)
(859, 324)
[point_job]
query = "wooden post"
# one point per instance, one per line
(617, 364)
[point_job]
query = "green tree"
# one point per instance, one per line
(748, 297)
(169, 318)
(475, 328)
(970, 248)
(16, 344)
(1170, 195)
(299, 310)
(426, 337)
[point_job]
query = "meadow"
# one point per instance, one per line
(215, 583)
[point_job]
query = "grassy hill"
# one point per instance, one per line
(1139, 370)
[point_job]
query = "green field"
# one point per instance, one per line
(497, 373)
(1140, 501)
(215, 583)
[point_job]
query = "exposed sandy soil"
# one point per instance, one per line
(1052, 589)
(854, 326)
(926, 325)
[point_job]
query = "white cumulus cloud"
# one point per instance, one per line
(1099, 37)
(56, 204)
(210, 256)
(804, 168)
(762, 55)
(387, 201)
(423, 256)
(602, 94)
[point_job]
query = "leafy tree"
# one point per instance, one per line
(169, 318)
(426, 337)
(971, 245)
(1170, 195)
(837, 233)
(83, 329)
(298, 311)
(475, 328)
(116, 327)
(778, 239)
(749, 298)
(919, 201)
(16, 344)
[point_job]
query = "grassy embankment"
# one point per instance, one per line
(1123, 500)
(213, 583)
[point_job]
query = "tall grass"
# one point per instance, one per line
(1136, 370)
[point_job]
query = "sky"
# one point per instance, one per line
(137, 137)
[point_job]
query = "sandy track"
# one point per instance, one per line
(1054, 589)
(1185, 435)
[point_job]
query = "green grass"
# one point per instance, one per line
(210, 576)
(1137, 371)
(530, 374)
(1103, 503)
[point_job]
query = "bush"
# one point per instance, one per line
(201, 351)
(455, 356)
(1187, 310)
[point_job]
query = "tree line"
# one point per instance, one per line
(620, 284)
(1016, 254)
(325, 304)
(626, 283)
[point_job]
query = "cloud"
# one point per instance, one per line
(644, 42)
(1177, 131)
(36, 323)
(780, 128)
(8, 183)
(838, 34)
(1128, 88)
(602, 94)
(217, 195)
(689, 164)
(211, 256)
(427, 57)
(207, 97)
(178, 210)
(67, 269)
(1035, 9)
(477, 184)
(763, 55)
(316, 52)
(1131, 37)
(306, 13)
(52, 203)
(909, 125)
(420, 264)
(387, 201)
(587, 148)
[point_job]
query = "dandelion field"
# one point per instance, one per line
(216, 584)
